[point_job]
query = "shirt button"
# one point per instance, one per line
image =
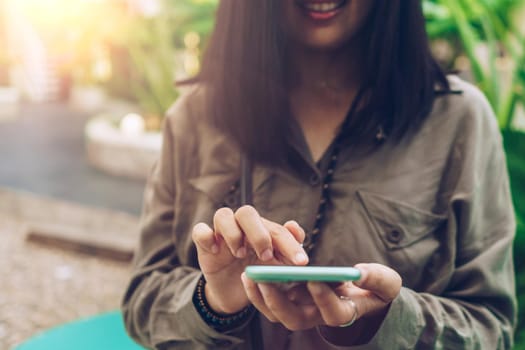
(315, 180)
(394, 236)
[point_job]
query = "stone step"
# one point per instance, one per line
(71, 226)
(112, 246)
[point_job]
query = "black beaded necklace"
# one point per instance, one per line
(313, 236)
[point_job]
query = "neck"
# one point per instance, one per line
(325, 71)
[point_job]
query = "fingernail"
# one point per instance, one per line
(215, 249)
(301, 258)
(241, 252)
(267, 255)
(291, 222)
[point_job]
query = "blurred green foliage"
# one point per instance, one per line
(154, 54)
(192, 15)
(515, 146)
(486, 32)
(155, 46)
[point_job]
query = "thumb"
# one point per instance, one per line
(380, 280)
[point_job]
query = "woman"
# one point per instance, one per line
(350, 134)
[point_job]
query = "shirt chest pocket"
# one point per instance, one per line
(408, 236)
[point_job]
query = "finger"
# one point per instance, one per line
(300, 295)
(256, 234)
(296, 230)
(204, 238)
(226, 226)
(285, 244)
(333, 309)
(292, 316)
(252, 291)
(380, 280)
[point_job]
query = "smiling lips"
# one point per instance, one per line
(321, 9)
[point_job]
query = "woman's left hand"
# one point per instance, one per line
(320, 304)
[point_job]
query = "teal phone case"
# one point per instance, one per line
(260, 273)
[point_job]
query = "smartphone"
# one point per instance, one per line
(283, 274)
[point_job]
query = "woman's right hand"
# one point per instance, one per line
(239, 239)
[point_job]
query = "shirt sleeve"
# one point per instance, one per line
(157, 306)
(478, 308)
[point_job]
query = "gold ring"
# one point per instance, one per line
(356, 313)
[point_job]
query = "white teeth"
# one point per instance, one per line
(323, 7)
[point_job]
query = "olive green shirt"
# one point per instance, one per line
(435, 207)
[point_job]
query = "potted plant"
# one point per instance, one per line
(146, 60)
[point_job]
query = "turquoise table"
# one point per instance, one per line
(101, 332)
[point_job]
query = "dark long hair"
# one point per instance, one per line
(245, 61)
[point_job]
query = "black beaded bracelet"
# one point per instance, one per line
(218, 321)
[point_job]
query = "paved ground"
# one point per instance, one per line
(43, 287)
(42, 151)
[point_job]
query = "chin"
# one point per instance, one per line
(325, 42)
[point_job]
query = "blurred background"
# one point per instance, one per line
(84, 85)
